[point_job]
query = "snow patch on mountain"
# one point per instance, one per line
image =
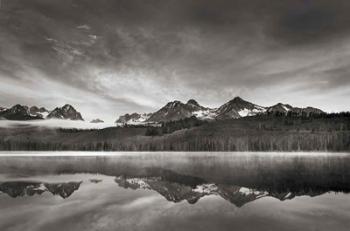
(251, 112)
(237, 108)
(248, 191)
(138, 181)
(205, 188)
(133, 119)
(285, 108)
(206, 114)
(142, 119)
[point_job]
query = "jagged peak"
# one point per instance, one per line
(193, 102)
(282, 104)
(34, 108)
(174, 103)
(67, 106)
(237, 98)
(18, 107)
(37, 109)
(65, 112)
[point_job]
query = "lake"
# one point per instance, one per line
(174, 191)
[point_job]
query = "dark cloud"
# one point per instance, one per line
(313, 21)
(132, 54)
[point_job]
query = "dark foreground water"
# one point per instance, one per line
(175, 191)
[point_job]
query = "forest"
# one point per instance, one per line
(329, 132)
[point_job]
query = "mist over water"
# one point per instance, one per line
(174, 191)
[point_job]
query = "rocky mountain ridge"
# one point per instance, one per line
(192, 190)
(65, 112)
(19, 112)
(284, 109)
(172, 111)
(23, 188)
(23, 112)
(233, 109)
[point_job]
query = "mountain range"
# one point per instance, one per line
(176, 188)
(172, 186)
(22, 112)
(23, 188)
(172, 111)
(234, 109)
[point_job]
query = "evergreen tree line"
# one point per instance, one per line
(172, 126)
(261, 133)
(266, 141)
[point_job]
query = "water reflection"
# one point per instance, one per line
(176, 187)
(272, 192)
(27, 188)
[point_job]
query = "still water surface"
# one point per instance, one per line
(174, 191)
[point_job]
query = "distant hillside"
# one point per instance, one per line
(256, 133)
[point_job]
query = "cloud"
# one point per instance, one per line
(123, 56)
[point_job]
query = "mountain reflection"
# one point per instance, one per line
(237, 178)
(176, 191)
(26, 188)
(176, 187)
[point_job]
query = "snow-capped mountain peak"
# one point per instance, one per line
(65, 112)
(233, 109)
(237, 107)
(177, 110)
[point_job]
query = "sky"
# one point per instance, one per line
(111, 57)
